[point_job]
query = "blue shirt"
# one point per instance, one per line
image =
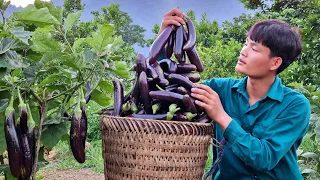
(262, 139)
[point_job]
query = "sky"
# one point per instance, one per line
(147, 13)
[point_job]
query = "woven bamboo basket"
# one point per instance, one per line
(151, 149)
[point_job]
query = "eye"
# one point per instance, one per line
(254, 49)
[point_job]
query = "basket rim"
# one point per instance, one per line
(160, 121)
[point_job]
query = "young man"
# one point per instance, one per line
(261, 121)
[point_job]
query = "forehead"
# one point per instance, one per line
(255, 43)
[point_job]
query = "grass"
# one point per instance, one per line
(65, 159)
(309, 145)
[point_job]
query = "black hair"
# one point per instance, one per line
(281, 38)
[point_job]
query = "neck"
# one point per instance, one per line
(257, 88)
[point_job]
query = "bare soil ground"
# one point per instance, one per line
(69, 174)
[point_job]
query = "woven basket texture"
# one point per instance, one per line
(154, 149)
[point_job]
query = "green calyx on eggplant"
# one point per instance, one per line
(144, 90)
(158, 44)
(173, 108)
(12, 140)
(117, 96)
(187, 116)
(168, 65)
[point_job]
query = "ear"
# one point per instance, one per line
(275, 63)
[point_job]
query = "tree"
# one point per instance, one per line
(123, 26)
(72, 6)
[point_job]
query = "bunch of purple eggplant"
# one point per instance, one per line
(20, 139)
(162, 85)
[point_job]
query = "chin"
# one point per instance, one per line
(239, 70)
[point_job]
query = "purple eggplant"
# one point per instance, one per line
(27, 160)
(108, 112)
(166, 96)
(185, 68)
(178, 43)
(118, 96)
(204, 118)
(76, 141)
(192, 76)
(168, 65)
(144, 90)
(151, 72)
(182, 90)
(149, 116)
(141, 64)
(158, 44)
(162, 80)
(142, 111)
(83, 126)
(181, 80)
(12, 140)
(191, 35)
(169, 46)
(194, 58)
(189, 104)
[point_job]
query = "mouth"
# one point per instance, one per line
(240, 61)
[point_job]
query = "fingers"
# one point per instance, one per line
(175, 12)
(203, 93)
(173, 17)
(206, 88)
(175, 20)
(203, 105)
(201, 97)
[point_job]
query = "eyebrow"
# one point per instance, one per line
(252, 42)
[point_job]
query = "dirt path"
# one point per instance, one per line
(69, 174)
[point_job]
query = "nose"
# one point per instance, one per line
(243, 51)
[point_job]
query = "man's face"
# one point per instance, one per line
(254, 60)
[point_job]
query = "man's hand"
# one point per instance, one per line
(210, 101)
(173, 17)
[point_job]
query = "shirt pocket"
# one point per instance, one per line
(258, 131)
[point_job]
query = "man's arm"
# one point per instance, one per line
(264, 154)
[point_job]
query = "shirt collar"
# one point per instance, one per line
(275, 92)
